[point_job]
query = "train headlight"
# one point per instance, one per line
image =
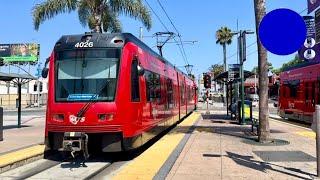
(58, 117)
(105, 117)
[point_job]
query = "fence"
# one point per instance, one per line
(27, 100)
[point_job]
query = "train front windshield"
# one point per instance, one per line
(85, 75)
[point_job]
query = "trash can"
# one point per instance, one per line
(247, 112)
(1, 124)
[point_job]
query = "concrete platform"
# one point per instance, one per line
(220, 149)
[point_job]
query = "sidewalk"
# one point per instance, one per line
(220, 149)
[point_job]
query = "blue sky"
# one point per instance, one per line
(195, 19)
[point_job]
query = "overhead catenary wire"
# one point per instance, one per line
(177, 31)
(166, 28)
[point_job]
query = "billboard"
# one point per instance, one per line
(20, 53)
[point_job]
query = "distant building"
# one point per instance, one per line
(29, 93)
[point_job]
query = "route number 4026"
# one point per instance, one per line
(83, 44)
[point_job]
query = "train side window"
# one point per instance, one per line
(293, 91)
(153, 86)
(182, 91)
(135, 93)
(169, 93)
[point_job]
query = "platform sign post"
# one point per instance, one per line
(317, 120)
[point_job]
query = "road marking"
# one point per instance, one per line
(148, 163)
(21, 155)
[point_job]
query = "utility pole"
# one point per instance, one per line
(243, 57)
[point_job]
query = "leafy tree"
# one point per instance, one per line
(255, 69)
(98, 15)
(216, 69)
(295, 61)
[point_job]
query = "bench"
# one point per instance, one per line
(255, 123)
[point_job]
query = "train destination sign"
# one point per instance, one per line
(20, 53)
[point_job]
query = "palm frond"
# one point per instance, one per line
(51, 8)
(84, 13)
(134, 9)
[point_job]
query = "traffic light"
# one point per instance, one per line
(207, 80)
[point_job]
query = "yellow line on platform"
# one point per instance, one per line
(21, 155)
(149, 162)
(309, 134)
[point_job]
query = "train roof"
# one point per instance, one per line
(107, 40)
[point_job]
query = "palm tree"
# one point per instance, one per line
(264, 129)
(98, 15)
(224, 38)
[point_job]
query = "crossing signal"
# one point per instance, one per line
(207, 80)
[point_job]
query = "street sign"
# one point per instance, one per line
(20, 53)
(309, 51)
(233, 72)
(313, 5)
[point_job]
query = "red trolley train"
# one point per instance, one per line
(111, 92)
(299, 92)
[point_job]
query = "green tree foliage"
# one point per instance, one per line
(216, 69)
(255, 69)
(98, 15)
(296, 60)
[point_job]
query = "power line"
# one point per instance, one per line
(153, 11)
(183, 49)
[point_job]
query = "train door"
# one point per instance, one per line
(136, 92)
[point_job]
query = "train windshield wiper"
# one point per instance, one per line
(92, 100)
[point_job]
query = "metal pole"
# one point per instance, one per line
(317, 114)
(242, 94)
(38, 93)
(141, 35)
(19, 103)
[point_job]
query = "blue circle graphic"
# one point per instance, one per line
(282, 31)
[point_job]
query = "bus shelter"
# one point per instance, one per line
(18, 80)
(232, 87)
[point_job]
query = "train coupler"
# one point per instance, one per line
(76, 142)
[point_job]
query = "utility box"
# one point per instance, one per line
(1, 124)
(247, 112)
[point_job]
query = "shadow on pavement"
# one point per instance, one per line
(249, 162)
(15, 126)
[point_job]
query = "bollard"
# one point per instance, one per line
(317, 114)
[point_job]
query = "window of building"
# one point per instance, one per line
(135, 93)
